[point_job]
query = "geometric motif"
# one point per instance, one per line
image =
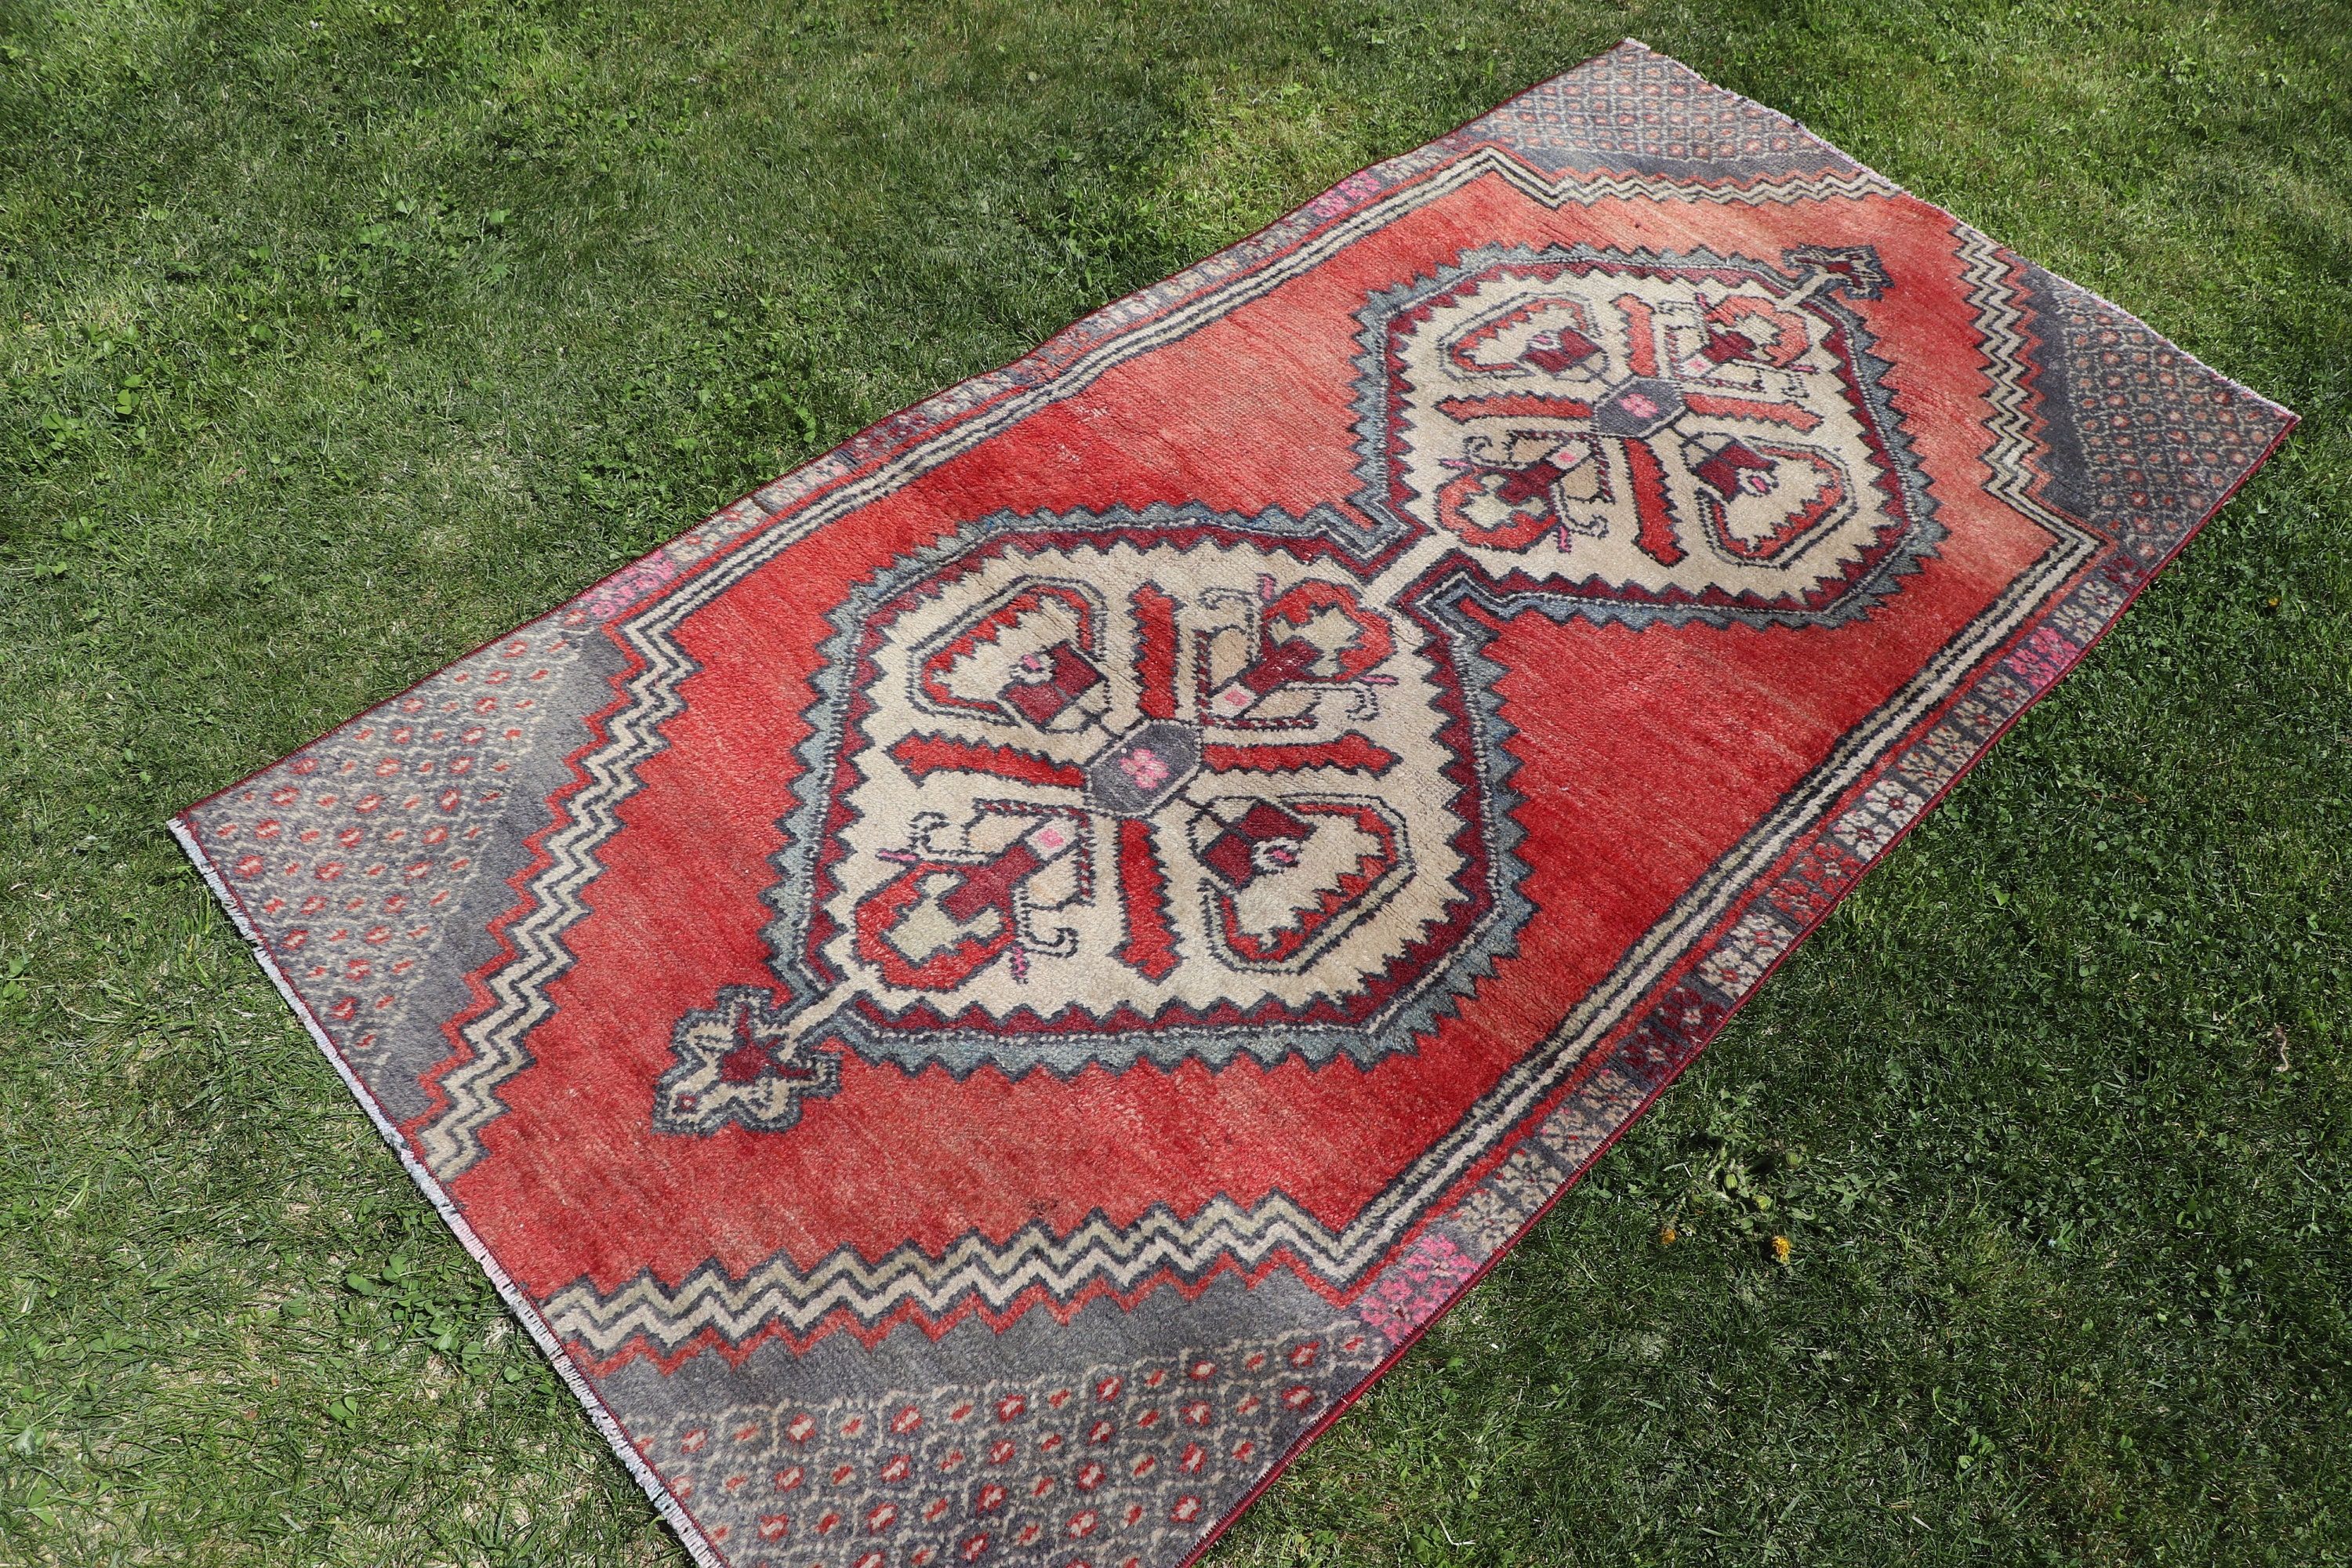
(738, 1062)
(1092, 791)
(2143, 432)
(1661, 436)
(362, 851)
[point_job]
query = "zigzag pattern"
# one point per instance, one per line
(2001, 313)
(354, 867)
(1034, 1259)
(517, 988)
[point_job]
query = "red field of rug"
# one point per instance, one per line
(975, 1000)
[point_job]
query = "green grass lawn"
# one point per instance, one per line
(341, 336)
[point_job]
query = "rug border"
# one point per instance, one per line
(689, 1530)
(674, 1513)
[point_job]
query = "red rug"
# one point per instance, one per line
(974, 1001)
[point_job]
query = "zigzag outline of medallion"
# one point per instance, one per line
(1434, 969)
(1807, 279)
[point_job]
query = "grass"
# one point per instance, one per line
(340, 336)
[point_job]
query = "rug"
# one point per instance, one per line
(974, 1001)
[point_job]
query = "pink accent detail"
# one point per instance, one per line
(1412, 1288)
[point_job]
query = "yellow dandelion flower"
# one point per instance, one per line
(1781, 1248)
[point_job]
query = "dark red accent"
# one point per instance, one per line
(1515, 405)
(1722, 468)
(923, 755)
(1722, 348)
(1281, 945)
(1070, 675)
(1280, 664)
(1465, 350)
(1074, 606)
(1155, 658)
(1571, 349)
(1793, 525)
(990, 886)
(750, 1057)
(1230, 854)
(1739, 315)
(1520, 486)
(1787, 414)
(1351, 753)
(1655, 536)
(880, 911)
(1150, 946)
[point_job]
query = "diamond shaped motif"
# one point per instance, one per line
(1661, 436)
(1638, 406)
(1136, 773)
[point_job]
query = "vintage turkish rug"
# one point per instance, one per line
(975, 1000)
